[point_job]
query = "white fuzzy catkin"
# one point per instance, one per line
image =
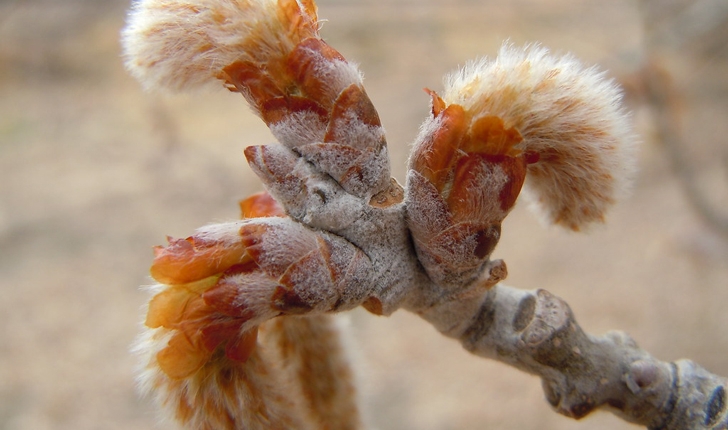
(184, 44)
(221, 395)
(567, 113)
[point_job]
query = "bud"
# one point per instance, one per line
(525, 115)
(269, 51)
(465, 174)
(570, 118)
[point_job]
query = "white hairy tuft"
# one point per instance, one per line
(567, 113)
(183, 44)
(225, 233)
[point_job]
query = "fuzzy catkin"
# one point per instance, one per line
(345, 241)
(179, 45)
(568, 114)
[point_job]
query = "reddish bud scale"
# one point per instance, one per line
(294, 83)
(198, 330)
(263, 77)
(465, 176)
(305, 65)
(176, 304)
(192, 259)
(182, 357)
(256, 84)
(436, 154)
(352, 157)
(261, 205)
(286, 299)
(352, 102)
(275, 109)
(217, 333)
(468, 176)
(223, 296)
(489, 135)
(204, 314)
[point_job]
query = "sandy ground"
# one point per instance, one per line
(94, 172)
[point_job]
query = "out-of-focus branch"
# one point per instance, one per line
(536, 332)
(664, 103)
(664, 99)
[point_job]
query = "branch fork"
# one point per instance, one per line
(237, 334)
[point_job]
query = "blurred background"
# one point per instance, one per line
(94, 172)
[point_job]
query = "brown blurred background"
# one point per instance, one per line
(94, 172)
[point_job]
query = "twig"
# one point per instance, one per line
(536, 332)
(336, 232)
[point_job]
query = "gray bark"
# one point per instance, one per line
(536, 332)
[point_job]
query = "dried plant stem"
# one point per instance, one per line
(536, 332)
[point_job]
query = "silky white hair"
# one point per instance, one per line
(568, 114)
(184, 44)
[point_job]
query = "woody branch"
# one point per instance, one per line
(335, 232)
(537, 332)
